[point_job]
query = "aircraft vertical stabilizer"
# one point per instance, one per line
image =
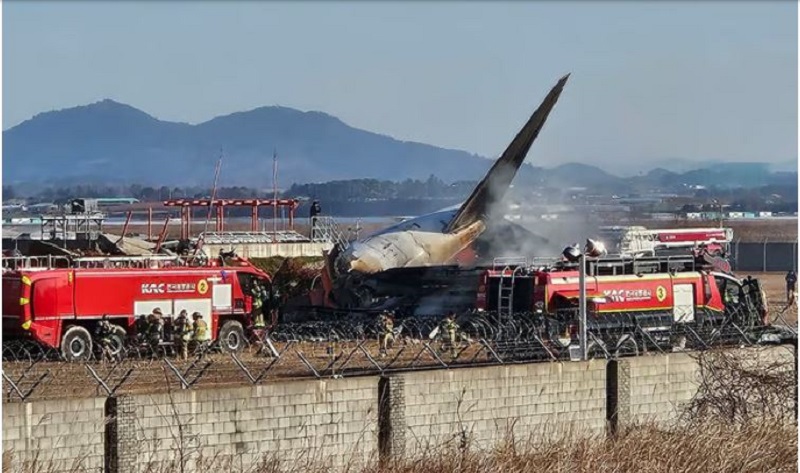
(493, 187)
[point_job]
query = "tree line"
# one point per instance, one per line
(381, 194)
(345, 190)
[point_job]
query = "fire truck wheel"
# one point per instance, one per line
(76, 344)
(231, 336)
(117, 341)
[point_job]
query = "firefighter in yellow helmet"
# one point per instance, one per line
(258, 305)
(183, 334)
(451, 330)
(201, 334)
(155, 331)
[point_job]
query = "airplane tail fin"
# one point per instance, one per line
(496, 182)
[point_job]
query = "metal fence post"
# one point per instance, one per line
(582, 306)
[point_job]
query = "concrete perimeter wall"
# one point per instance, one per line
(486, 406)
(353, 421)
(653, 388)
(336, 420)
(54, 435)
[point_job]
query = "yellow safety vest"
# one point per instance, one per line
(201, 331)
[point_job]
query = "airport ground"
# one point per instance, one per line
(66, 380)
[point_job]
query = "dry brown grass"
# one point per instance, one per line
(712, 447)
(708, 447)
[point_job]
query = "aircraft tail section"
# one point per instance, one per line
(494, 185)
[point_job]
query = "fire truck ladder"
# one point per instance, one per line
(129, 261)
(617, 264)
(12, 263)
(505, 287)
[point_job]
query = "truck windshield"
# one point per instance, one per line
(729, 290)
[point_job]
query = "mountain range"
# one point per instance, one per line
(110, 142)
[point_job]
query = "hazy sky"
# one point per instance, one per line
(650, 80)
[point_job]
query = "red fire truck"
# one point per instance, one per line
(61, 307)
(653, 294)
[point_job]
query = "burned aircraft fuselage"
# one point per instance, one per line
(435, 239)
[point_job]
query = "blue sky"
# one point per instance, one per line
(650, 80)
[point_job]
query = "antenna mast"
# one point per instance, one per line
(213, 190)
(210, 205)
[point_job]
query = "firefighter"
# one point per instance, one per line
(104, 333)
(451, 329)
(141, 329)
(182, 334)
(258, 305)
(386, 327)
(155, 330)
(200, 332)
(791, 287)
(275, 303)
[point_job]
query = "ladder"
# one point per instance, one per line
(509, 262)
(505, 292)
(13, 263)
(326, 229)
(151, 261)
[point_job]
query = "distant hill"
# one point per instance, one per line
(110, 142)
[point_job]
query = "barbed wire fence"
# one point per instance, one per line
(335, 349)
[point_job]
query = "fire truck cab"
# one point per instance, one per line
(60, 308)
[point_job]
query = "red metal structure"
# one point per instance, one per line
(61, 307)
(219, 205)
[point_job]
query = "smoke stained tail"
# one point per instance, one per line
(496, 182)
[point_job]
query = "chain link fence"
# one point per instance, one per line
(764, 256)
